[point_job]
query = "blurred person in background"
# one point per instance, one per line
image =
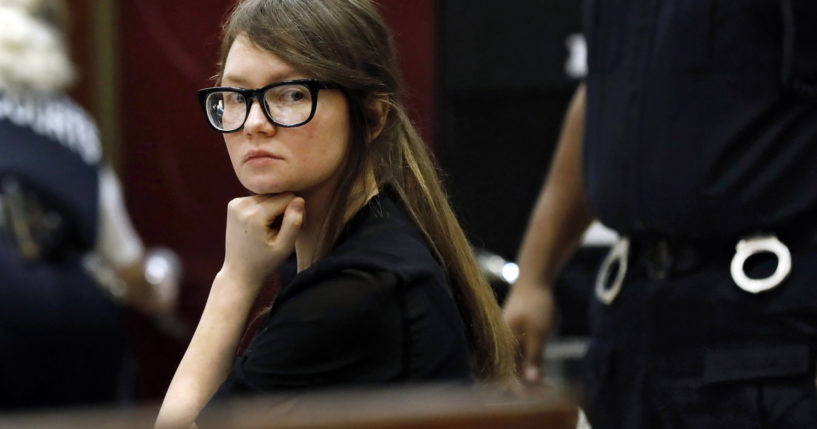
(694, 137)
(383, 287)
(70, 260)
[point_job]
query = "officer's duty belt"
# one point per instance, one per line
(659, 257)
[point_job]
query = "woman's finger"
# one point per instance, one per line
(292, 221)
(271, 210)
(273, 203)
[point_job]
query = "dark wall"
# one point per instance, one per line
(177, 177)
(79, 36)
(503, 92)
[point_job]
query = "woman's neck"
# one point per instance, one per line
(317, 208)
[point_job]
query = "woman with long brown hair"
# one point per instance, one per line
(383, 286)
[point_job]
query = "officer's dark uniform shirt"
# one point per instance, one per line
(701, 117)
(377, 310)
(62, 338)
(701, 128)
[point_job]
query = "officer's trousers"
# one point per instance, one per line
(693, 350)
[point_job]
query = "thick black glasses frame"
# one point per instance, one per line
(250, 95)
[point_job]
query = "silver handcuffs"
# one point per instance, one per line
(752, 246)
(618, 254)
(745, 249)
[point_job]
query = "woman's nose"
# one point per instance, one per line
(257, 121)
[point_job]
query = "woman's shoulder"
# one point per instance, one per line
(381, 237)
(379, 240)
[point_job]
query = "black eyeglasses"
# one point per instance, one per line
(287, 104)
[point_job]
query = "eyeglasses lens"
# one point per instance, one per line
(226, 110)
(289, 104)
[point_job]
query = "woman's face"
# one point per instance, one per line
(269, 159)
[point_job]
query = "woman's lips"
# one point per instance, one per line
(259, 155)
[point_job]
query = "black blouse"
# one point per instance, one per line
(378, 309)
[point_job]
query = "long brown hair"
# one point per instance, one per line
(347, 42)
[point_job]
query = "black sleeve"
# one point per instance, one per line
(343, 331)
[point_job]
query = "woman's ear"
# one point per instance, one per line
(378, 111)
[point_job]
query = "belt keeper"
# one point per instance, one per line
(659, 260)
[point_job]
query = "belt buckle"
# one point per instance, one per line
(750, 246)
(618, 254)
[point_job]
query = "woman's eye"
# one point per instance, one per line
(294, 94)
(234, 98)
(288, 95)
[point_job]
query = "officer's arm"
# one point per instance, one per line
(561, 214)
(150, 278)
(559, 219)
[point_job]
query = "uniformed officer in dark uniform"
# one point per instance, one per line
(62, 337)
(695, 139)
(70, 260)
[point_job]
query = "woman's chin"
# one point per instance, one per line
(265, 188)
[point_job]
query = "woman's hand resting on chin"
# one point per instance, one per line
(261, 233)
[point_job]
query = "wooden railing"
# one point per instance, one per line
(428, 407)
